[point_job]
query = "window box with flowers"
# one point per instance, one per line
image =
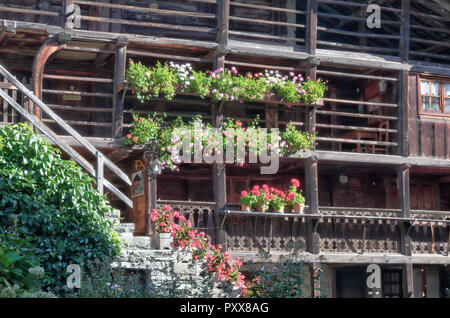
(264, 198)
(222, 85)
(154, 131)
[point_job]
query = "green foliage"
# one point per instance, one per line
(152, 82)
(16, 258)
(296, 140)
(287, 279)
(222, 84)
(53, 203)
(313, 90)
(197, 134)
(101, 280)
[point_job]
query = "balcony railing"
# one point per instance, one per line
(406, 30)
(336, 230)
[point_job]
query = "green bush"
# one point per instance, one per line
(16, 258)
(53, 203)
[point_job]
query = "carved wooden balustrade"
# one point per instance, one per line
(264, 232)
(338, 229)
(359, 230)
(432, 236)
(199, 213)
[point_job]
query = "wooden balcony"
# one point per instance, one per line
(355, 233)
(416, 31)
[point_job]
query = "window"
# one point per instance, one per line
(434, 97)
(392, 283)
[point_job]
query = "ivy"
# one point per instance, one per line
(53, 203)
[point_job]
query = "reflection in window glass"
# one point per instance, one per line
(424, 88)
(435, 88)
(447, 105)
(447, 90)
(435, 103)
(425, 103)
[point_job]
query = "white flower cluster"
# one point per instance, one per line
(184, 73)
(274, 78)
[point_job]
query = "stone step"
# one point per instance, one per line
(138, 242)
(115, 214)
(125, 228)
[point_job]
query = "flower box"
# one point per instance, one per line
(163, 241)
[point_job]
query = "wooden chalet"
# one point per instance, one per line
(377, 184)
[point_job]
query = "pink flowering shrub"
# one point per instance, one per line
(163, 220)
(169, 221)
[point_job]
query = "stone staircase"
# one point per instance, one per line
(166, 269)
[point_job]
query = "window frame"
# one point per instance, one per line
(441, 84)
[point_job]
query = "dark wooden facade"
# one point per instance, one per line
(394, 207)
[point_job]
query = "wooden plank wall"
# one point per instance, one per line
(428, 136)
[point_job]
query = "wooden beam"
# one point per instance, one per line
(119, 77)
(311, 27)
(402, 114)
(47, 49)
(405, 30)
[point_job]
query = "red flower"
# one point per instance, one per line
(128, 136)
(265, 187)
(255, 187)
(295, 182)
(135, 139)
(131, 62)
(141, 119)
(151, 120)
(244, 193)
(239, 123)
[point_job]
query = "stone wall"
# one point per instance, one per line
(173, 271)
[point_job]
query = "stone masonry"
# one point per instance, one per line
(173, 271)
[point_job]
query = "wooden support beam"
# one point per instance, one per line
(223, 26)
(311, 27)
(119, 77)
(402, 114)
(47, 49)
(150, 190)
(405, 30)
(403, 181)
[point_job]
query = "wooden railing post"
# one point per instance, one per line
(100, 172)
(119, 77)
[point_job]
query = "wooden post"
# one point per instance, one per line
(71, 15)
(150, 190)
(119, 77)
(405, 30)
(223, 22)
(311, 184)
(405, 206)
(219, 171)
(402, 124)
(311, 71)
(311, 27)
(99, 172)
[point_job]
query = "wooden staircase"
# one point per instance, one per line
(98, 171)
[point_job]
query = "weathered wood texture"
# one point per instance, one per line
(429, 136)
